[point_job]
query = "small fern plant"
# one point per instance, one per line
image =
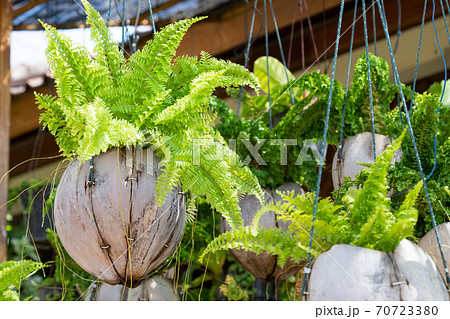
(152, 99)
(364, 219)
(12, 273)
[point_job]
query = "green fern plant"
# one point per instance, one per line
(428, 127)
(301, 121)
(363, 218)
(298, 108)
(12, 273)
(149, 99)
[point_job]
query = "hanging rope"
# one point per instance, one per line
(109, 14)
(324, 146)
(396, 75)
(308, 18)
(415, 77)
(418, 56)
(324, 28)
(291, 38)
(281, 50)
(311, 29)
(151, 16)
(399, 25)
(374, 28)
(302, 40)
(123, 23)
(369, 81)
(266, 37)
(247, 52)
(341, 135)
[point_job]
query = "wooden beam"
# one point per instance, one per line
(32, 145)
(325, 36)
(5, 105)
(228, 32)
(26, 7)
(145, 16)
(24, 112)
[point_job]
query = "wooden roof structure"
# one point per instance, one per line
(224, 35)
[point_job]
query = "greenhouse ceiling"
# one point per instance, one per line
(70, 13)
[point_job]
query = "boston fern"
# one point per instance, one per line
(365, 218)
(298, 109)
(12, 273)
(148, 99)
(427, 125)
(301, 123)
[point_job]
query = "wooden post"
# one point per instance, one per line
(5, 106)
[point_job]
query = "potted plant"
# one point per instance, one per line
(434, 151)
(121, 213)
(429, 244)
(360, 224)
(282, 161)
(358, 144)
(430, 121)
(155, 288)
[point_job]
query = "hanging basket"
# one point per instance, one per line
(155, 288)
(113, 228)
(358, 149)
(430, 245)
(350, 273)
(264, 266)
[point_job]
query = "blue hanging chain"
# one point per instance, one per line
(374, 27)
(266, 36)
(123, 23)
(322, 155)
(91, 161)
(396, 75)
(281, 50)
(247, 53)
(415, 77)
(341, 135)
(151, 16)
(369, 80)
(109, 14)
(399, 25)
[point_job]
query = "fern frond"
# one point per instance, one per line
(12, 273)
(373, 194)
(107, 51)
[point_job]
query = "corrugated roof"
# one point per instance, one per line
(70, 13)
(30, 68)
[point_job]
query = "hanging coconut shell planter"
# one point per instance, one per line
(358, 149)
(347, 272)
(119, 210)
(113, 227)
(429, 244)
(264, 266)
(156, 288)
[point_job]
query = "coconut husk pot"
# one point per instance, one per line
(155, 288)
(430, 245)
(113, 228)
(264, 266)
(358, 149)
(350, 273)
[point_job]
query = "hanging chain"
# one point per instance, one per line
(307, 268)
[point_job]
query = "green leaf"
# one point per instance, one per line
(276, 75)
